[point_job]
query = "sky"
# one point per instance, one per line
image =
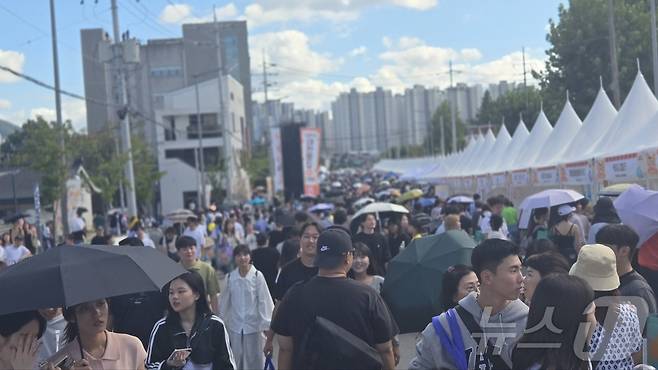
(320, 48)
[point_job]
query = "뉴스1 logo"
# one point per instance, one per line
(324, 248)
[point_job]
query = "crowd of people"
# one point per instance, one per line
(564, 294)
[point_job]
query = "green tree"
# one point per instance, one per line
(579, 52)
(36, 146)
(443, 111)
(147, 174)
(258, 165)
(509, 107)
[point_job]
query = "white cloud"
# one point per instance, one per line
(256, 15)
(5, 104)
(387, 42)
(175, 13)
(361, 50)
(13, 60)
(72, 109)
(471, 54)
(291, 51)
(183, 13)
(416, 4)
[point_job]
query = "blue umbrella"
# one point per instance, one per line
(426, 202)
(321, 207)
(258, 201)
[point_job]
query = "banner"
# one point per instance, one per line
(652, 162)
(623, 168)
(310, 141)
(546, 176)
(483, 184)
(577, 173)
(520, 178)
(277, 158)
(499, 180)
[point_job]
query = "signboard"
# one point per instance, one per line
(623, 167)
(652, 162)
(577, 173)
(277, 158)
(520, 178)
(310, 141)
(546, 176)
(483, 184)
(499, 180)
(467, 183)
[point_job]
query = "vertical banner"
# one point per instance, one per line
(277, 158)
(37, 210)
(310, 141)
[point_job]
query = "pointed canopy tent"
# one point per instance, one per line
(435, 174)
(646, 138)
(596, 124)
(471, 167)
(489, 162)
(540, 132)
(421, 168)
(640, 105)
(566, 128)
(519, 138)
(467, 155)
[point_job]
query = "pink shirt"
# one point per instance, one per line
(123, 352)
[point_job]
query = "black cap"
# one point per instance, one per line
(333, 244)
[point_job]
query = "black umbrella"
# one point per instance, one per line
(13, 218)
(66, 276)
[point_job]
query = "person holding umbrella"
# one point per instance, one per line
(189, 335)
(92, 346)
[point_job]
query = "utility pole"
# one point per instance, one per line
(654, 45)
(223, 115)
(64, 206)
(123, 112)
(443, 135)
(453, 123)
(616, 94)
(525, 81)
(201, 166)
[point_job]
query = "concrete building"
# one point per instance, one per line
(165, 65)
(468, 100)
(179, 141)
(500, 89)
(267, 115)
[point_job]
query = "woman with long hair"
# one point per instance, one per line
(559, 344)
(457, 282)
(539, 266)
(189, 335)
(91, 345)
(363, 267)
(565, 234)
(604, 214)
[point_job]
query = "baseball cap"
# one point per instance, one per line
(332, 245)
(565, 209)
(597, 265)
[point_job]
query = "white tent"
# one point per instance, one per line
(471, 166)
(638, 108)
(490, 160)
(564, 131)
(596, 124)
(467, 155)
(538, 135)
(519, 138)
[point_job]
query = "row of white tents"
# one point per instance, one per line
(607, 147)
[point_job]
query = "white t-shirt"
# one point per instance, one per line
(14, 254)
(2, 254)
(76, 224)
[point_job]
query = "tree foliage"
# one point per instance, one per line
(443, 111)
(519, 102)
(579, 54)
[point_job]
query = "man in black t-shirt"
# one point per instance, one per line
(376, 242)
(623, 241)
(266, 260)
(351, 305)
(301, 268)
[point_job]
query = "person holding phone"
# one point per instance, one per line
(90, 345)
(189, 335)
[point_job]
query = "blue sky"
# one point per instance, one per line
(322, 47)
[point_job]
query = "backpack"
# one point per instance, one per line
(455, 347)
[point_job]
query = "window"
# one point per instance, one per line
(170, 128)
(211, 127)
(185, 155)
(172, 71)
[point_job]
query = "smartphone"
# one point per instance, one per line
(187, 351)
(66, 363)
